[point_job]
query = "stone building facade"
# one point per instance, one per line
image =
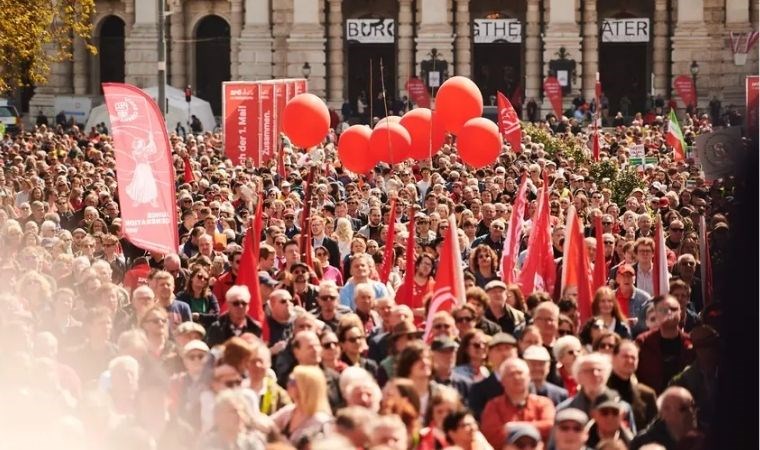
(637, 48)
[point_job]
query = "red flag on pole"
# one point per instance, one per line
(575, 264)
(514, 235)
(660, 272)
(305, 214)
(600, 262)
(385, 270)
(553, 90)
(146, 175)
(539, 271)
(405, 294)
(248, 272)
(187, 175)
(509, 123)
(449, 281)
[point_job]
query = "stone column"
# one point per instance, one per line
(405, 43)
(81, 68)
(463, 40)
(660, 44)
(590, 49)
(306, 43)
(690, 40)
(434, 31)
(336, 74)
(533, 74)
(141, 47)
(178, 63)
(562, 30)
(236, 27)
(255, 43)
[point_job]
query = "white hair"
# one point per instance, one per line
(514, 361)
(48, 225)
(126, 363)
(352, 375)
(238, 290)
(593, 358)
(563, 343)
(547, 306)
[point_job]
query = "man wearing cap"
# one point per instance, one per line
(642, 398)
(443, 359)
(701, 377)
(507, 317)
(501, 347)
(606, 424)
(517, 404)
(569, 432)
(632, 300)
(676, 424)
(521, 436)
(539, 363)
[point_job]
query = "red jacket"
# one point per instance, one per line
(651, 371)
(538, 411)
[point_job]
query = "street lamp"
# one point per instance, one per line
(694, 69)
(306, 70)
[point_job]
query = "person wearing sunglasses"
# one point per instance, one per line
(494, 239)
(155, 325)
(539, 363)
(236, 320)
(353, 344)
(666, 350)
(197, 294)
(569, 431)
(676, 423)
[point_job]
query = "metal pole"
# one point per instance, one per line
(162, 57)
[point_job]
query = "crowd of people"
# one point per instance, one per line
(112, 347)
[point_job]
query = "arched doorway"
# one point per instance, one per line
(111, 50)
(212, 60)
(625, 54)
(370, 36)
(498, 51)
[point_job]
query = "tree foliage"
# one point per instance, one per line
(34, 34)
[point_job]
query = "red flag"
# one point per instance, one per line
(418, 92)
(514, 234)
(600, 262)
(660, 271)
(553, 90)
(575, 264)
(146, 175)
(539, 271)
(705, 263)
(684, 85)
(595, 143)
(598, 95)
(188, 176)
(449, 280)
(385, 270)
(509, 123)
(405, 294)
(248, 271)
(305, 214)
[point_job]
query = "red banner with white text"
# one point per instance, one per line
(267, 121)
(509, 124)
(240, 112)
(301, 86)
(553, 90)
(418, 92)
(685, 88)
(280, 99)
(144, 169)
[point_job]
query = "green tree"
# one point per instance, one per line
(37, 33)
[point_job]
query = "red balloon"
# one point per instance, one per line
(458, 100)
(479, 142)
(418, 123)
(388, 119)
(306, 120)
(390, 142)
(353, 149)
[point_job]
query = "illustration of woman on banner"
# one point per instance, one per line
(143, 189)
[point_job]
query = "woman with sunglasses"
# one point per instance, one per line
(566, 350)
(606, 342)
(471, 356)
(483, 264)
(331, 353)
(197, 294)
(328, 272)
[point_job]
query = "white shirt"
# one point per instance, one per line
(645, 280)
